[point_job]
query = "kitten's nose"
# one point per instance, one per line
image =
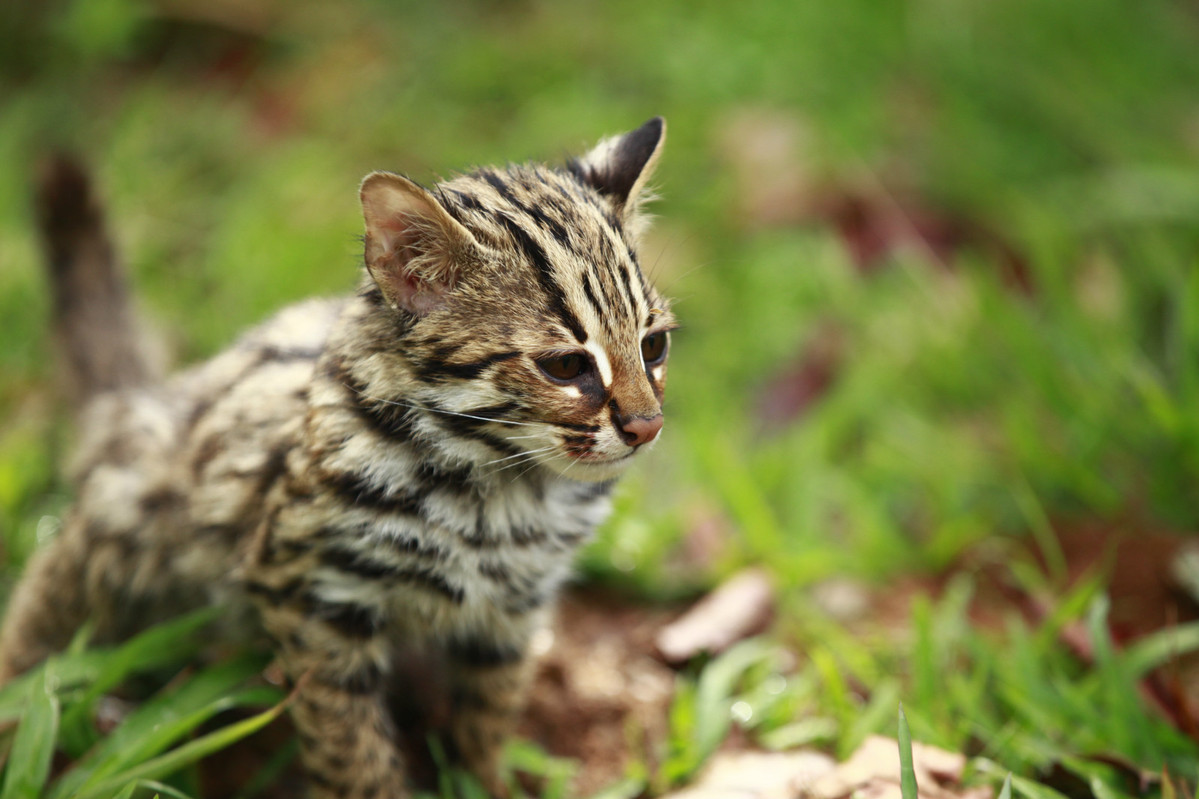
(639, 430)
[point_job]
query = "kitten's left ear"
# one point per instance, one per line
(619, 167)
(414, 249)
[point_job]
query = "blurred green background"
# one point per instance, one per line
(935, 260)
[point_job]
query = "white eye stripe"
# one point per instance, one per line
(601, 362)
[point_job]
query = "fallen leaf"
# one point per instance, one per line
(873, 770)
(757, 775)
(741, 607)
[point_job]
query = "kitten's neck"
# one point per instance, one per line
(368, 374)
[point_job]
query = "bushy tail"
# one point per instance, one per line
(93, 318)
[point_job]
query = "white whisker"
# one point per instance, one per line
(417, 407)
(518, 455)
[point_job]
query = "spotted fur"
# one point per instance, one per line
(398, 469)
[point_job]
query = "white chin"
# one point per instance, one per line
(590, 471)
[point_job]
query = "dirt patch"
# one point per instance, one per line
(599, 691)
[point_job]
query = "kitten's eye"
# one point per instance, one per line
(565, 367)
(653, 347)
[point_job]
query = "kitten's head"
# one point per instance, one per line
(523, 305)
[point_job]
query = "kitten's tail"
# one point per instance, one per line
(92, 317)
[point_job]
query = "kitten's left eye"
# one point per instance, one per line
(653, 347)
(565, 367)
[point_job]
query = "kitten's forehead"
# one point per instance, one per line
(580, 257)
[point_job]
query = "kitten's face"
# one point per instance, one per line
(575, 338)
(532, 315)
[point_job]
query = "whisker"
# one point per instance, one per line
(532, 461)
(417, 407)
(536, 462)
(518, 455)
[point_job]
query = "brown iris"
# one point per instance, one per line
(653, 347)
(565, 367)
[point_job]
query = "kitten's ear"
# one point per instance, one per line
(619, 167)
(414, 248)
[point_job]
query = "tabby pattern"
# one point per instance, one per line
(409, 468)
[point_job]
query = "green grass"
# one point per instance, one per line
(966, 420)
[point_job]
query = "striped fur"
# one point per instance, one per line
(414, 465)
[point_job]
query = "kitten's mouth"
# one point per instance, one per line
(592, 457)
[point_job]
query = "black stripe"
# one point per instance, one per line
(426, 577)
(350, 619)
(645, 290)
(526, 536)
(496, 572)
(549, 224)
(571, 539)
(373, 296)
(482, 654)
(356, 490)
(582, 428)
(545, 276)
(523, 604)
(351, 562)
(500, 186)
(470, 426)
(436, 370)
(627, 280)
(282, 595)
(544, 221)
(389, 419)
(430, 475)
(589, 291)
(467, 200)
(409, 545)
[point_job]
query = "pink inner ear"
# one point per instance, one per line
(395, 231)
(419, 296)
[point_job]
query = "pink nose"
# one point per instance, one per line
(639, 430)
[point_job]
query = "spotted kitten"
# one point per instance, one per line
(411, 467)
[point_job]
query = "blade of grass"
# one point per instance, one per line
(187, 754)
(1159, 648)
(159, 788)
(1006, 791)
(715, 690)
(33, 747)
(907, 771)
(165, 718)
(170, 642)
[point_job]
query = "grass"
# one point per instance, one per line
(966, 421)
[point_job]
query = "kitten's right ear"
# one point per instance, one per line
(414, 248)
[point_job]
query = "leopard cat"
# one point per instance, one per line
(411, 467)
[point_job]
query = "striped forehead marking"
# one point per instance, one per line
(570, 236)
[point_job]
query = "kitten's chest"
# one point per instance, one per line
(450, 557)
(512, 548)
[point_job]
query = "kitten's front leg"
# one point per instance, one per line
(488, 684)
(347, 743)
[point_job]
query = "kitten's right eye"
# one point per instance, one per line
(565, 367)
